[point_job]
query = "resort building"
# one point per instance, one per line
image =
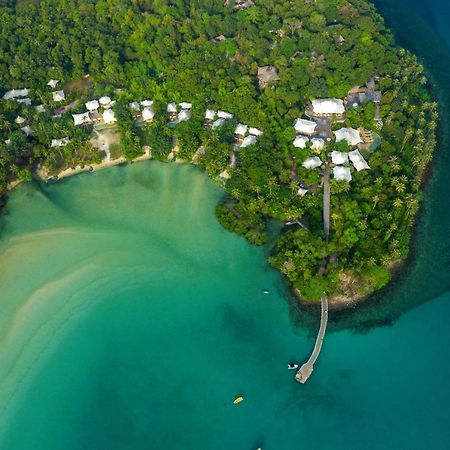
(239, 133)
(342, 173)
(350, 135)
(52, 83)
(301, 141)
(305, 127)
(20, 120)
(106, 102)
(58, 96)
(60, 142)
(15, 93)
(255, 131)
(339, 157)
(312, 163)
(27, 130)
(358, 161)
(40, 108)
(317, 143)
(81, 119)
(241, 4)
(177, 117)
(212, 122)
(248, 140)
(25, 101)
(109, 117)
(332, 108)
(92, 105)
(267, 75)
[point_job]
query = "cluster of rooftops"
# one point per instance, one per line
(315, 130)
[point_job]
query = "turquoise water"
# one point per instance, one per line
(131, 319)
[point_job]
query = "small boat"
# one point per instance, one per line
(266, 292)
(292, 366)
(238, 400)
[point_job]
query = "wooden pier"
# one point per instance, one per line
(306, 370)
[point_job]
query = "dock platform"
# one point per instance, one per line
(306, 369)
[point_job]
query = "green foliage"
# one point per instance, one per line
(167, 51)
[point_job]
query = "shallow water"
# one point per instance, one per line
(131, 319)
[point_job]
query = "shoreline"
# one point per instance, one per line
(93, 167)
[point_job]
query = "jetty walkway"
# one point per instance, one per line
(306, 370)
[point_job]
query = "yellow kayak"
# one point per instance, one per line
(238, 400)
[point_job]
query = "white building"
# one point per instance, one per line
(109, 116)
(342, 173)
(328, 106)
(358, 161)
(224, 115)
(58, 96)
(255, 132)
(20, 120)
(300, 141)
(92, 105)
(210, 114)
(146, 103)
(25, 101)
(40, 108)
(217, 123)
(81, 119)
(105, 101)
(60, 142)
(184, 115)
(148, 114)
(307, 127)
(350, 135)
(248, 140)
(27, 130)
(241, 130)
(52, 83)
(339, 157)
(14, 93)
(317, 143)
(185, 105)
(134, 106)
(172, 108)
(312, 163)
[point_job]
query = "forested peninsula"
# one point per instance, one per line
(306, 111)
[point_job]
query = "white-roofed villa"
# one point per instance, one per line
(305, 127)
(215, 119)
(60, 142)
(350, 135)
(328, 108)
(245, 136)
(58, 96)
(82, 119)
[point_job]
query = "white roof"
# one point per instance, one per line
(13, 93)
(241, 129)
(81, 119)
(104, 101)
(40, 108)
(328, 106)
(52, 83)
(305, 126)
(224, 115)
(20, 120)
(317, 143)
(339, 157)
(218, 123)
(358, 161)
(184, 115)
(300, 141)
(312, 163)
(27, 130)
(302, 192)
(210, 114)
(184, 105)
(342, 173)
(60, 142)
(134, 106)
(255, 132)
(26, 101)
(171, 108)
(249, 140)
(146, 103)
(148, 113)
(109, 116)
(92, 105)
(58, 96)
(350, 135)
